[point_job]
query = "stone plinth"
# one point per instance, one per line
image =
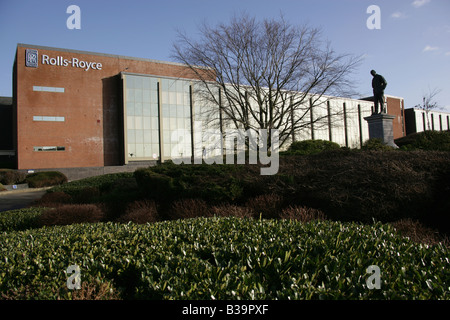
(381, 126)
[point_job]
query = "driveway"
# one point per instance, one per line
(10, 200)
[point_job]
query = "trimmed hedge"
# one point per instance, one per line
(362, 186)
(45, 179)
(168, 182)
(426, 140)
(376, 144)
(10, 176)
(223, 258)
(306, 147)
(103, 183)
(346, 185)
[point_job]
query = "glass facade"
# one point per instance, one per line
(176, 115)
(155, 108)
(171, 118)
(142, 119)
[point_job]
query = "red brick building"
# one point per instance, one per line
(68, 105)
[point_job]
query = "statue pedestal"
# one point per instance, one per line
(381, 126)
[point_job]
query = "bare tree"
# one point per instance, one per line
(269, 74)
(428, 104)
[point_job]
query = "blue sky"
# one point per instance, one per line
(411, 50)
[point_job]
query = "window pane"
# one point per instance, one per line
(139, 136)
(154, 110)
(130, 108)
(131, 136)
(165, 85)
(180, 98)
(146, 110)
(173, 123)
(139, 150)
(146, 96)
(166, 123)
(154, 97)
(147, 136)
(165, 97)
(155, 137)
(146, 83)
(130, 122)
(131, 150)
(173, 111)
(172, 98)
(130, 81)
(180, 123)
(138, 123)
(130, 94)
(138, 95)
(138, 109)
(147, 123)
(154, 123)
(148, 151)
(165, 111)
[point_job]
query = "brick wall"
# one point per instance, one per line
(91, 105)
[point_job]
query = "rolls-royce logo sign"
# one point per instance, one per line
(31, 58)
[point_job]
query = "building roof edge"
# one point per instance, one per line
(33, 46)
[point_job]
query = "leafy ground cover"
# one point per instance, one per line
(226, 232)
(345, 185)
(221, 258)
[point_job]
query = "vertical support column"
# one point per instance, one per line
(424, 122)
(221, 125)
(330, 135)
(292, 119)
(360, 126)
(191, 107)
(161, 142)
(220, 112)
(125, 129)
(345, 124)
(311, 118)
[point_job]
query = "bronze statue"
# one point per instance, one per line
(378, 85)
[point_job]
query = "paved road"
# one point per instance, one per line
(10, 200)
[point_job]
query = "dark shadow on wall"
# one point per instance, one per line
(112, 121)
(6, 123)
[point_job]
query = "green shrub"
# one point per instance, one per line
(267, 206)
(223, 258)
(311, 147)
(20, 219)
(70, 214)
(9, 176)
(376, 144)
(189, 208)
(103, 183)
(426, 140)
(141, 211)
(302, 214)
(158, 186)
(53, 199)
(168, 182)
(113, 191)
(2, 188)
(45, 179)
(362, 186)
